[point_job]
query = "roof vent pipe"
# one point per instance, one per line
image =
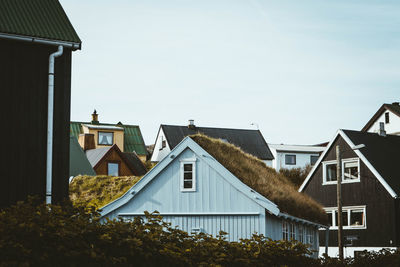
(382, 131)
(50, 115)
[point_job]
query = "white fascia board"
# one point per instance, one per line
(318, 162)
(369, 165)
(296, 219)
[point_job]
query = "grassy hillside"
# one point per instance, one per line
(98, 191)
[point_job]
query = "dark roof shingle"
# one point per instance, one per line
(250, 141)
(40, 18)
(382, 152)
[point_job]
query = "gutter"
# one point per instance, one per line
(50, 115)
(72, 45)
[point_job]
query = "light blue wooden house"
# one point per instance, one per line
(196, 193)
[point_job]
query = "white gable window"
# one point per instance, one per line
(188, 175)
(350, 170)
(353, 217)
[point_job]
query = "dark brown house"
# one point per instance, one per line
(370, 191)
(30, 31)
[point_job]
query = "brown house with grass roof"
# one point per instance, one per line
(208, 185)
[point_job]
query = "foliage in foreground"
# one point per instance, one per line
(40, 235)
(296, 175)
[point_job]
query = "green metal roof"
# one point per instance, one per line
(36, 18)
(133, 139)
(78, 162)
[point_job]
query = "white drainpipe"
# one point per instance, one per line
(50, 111)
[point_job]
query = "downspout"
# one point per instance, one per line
(50, 113)
(326, 240)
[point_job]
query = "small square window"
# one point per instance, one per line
(290, 159)
(112, 169)
(387, 120)
(313, 159)
(105, 138)
(350, 170)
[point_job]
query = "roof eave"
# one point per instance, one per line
(72, 45)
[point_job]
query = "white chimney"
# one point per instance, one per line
(191, 124)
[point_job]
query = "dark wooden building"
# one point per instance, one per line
(370, 191)
(29, 32)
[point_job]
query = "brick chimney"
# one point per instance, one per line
(191, 125)
(95, 117)
(86, 141)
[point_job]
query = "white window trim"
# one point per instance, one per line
(348, 209)
(185, 161)
(324, 163)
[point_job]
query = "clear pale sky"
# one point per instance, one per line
(299, 69)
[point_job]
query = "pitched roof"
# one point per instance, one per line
(137, 165)
(78, 162)
(381, 156)
(298, 148)
(44, 19)
(133, 139)
(95, 155)
(250, 141)
(394, 107)
(383, 152)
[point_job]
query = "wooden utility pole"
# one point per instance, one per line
(339, 201)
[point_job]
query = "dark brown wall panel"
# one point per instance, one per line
(24, 84)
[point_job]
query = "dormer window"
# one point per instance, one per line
(105, 138)
(188, 175)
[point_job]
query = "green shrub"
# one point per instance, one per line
(41, 235)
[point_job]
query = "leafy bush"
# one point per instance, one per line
(49, 235)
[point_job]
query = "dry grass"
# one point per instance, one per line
(266, 181)
(98, 191)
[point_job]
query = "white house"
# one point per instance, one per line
(389, 115)
(294, 156)
(250, 141)
(194, 187)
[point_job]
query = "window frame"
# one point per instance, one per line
(119, 167)
(290, 155)
(98, 138)
(285, 230)
(387, 118)
(347, 181)
(182, 163)
(348, 209)
(311, 156)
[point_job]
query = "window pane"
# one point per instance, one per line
(356, 218)
(330, 216)
(105, 138)
(290, 159)
(187, 167)
(345, 219)
(331, 172)
(187, 176)
(187, 184)
(113, 169)
(350, 170)
(313, 159)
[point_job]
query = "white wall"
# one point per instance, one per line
(159, 153)
(393, 127)
(302, 159)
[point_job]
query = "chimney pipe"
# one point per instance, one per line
(191, 125)
(382, 131)
(95, 117)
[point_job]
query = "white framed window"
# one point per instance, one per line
(290, 159)
(113, 169)
(188, 175)
(309, 235)
(292, 231)
(301, 234)
(353, 217)
(285, 230)
(350, 171)
(105, 138)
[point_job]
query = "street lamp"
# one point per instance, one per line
(339, 195)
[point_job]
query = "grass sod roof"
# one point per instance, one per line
(99, 190)
(265, 180)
